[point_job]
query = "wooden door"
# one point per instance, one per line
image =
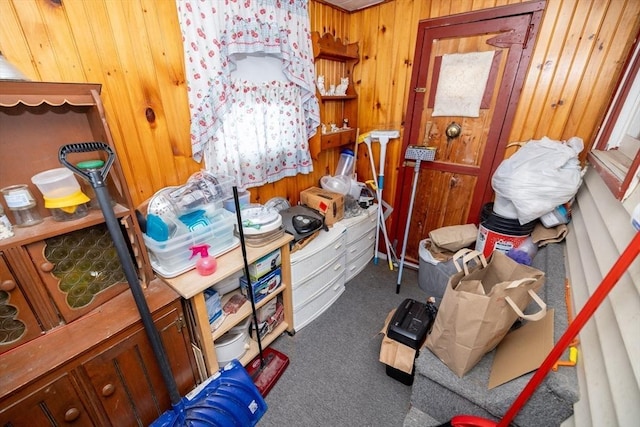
(453, 189)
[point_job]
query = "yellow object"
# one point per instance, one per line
(363, 136)
(573, 359)
(67, 204)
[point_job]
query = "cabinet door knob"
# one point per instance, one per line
(72, 414)
(47, 267)
(108, 390)
(7, 285)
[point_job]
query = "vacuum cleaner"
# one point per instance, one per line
(228, 397)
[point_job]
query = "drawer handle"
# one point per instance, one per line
(7, 285)
(72, 414)
(337, 267)
(338, 246)
(336, 287)
(108, 390)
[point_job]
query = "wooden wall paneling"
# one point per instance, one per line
(172, 83)
(539, 75)
(152, 156)
(555, 105)
(596, 86)
(13, 41)
(40, 45)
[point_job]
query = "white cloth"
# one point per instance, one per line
(461, 84)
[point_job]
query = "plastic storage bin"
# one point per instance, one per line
(174, 256)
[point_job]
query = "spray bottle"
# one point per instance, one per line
(205, 265)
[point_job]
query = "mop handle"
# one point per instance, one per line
(416, 171)
(607, 284)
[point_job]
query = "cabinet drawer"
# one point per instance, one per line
(319, 302)
(359, 247)
(55, 403)
(309, 289)
(358, 264)
(318, 254)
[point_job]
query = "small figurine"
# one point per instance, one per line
(332, 90)
(323, 128)
(345, 123)
(321, 87)
(341, 90)
(334, 127)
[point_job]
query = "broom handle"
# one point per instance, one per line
(236, 201)
(609, 281)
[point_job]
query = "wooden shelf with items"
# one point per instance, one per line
(191, 287)
(335, 60)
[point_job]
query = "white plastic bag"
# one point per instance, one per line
(540, 176)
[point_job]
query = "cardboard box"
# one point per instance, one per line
(263, 286)
(265, 264)
(328, 203)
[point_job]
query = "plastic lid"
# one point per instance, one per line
(90, 164)
(347, 151)
(71, 200)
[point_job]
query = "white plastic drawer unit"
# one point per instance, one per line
(316, 303)
(363, 244)
(358, 256)
(317, 255)
(360, 225)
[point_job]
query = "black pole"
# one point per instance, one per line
(96, 177)
(236, 200)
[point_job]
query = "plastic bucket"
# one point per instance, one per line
(499, 233)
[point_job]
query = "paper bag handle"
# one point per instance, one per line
(543, 306)
(467, 255)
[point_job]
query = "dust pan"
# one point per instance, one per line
(267, 368)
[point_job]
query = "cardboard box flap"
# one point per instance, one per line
(522, 351)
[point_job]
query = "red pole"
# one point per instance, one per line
(610, 280)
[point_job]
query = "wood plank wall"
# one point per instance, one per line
(134, 49)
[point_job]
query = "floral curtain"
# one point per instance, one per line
(214, 31)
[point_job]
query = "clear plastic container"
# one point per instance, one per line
(56, 183)
(345, 163)
(174, 256)
(22, 205)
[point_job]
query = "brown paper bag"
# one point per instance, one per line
(479, 306)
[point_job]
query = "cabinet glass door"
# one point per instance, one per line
(18, 324)
(81, 269)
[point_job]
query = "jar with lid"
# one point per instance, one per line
(22, 205)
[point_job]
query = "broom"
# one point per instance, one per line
(269, 365)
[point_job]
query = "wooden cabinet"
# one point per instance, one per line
(335, 60)
(191, 287)
(100, 369)
(71, 336)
